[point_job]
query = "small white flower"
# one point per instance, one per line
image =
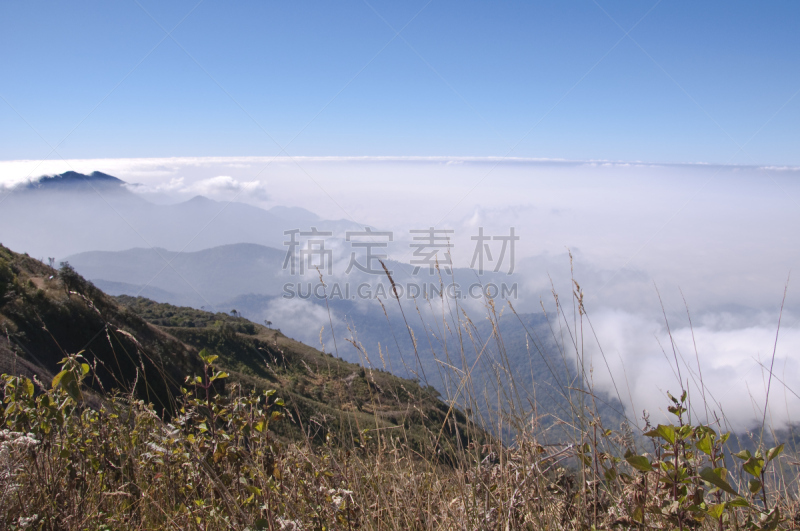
(24, 522)
(289, 525)
(338, 496)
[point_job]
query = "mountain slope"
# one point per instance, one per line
(45, 314)
(328, 394)
(137, 345)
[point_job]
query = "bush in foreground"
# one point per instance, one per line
(217, 465)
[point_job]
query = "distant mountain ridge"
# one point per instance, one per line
(198, 278)
(216, 275)
(72, 181)
(61, 215)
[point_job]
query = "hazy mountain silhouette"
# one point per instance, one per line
(74, 182)
(71, 213)
(199, 278)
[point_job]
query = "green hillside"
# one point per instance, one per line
(46, 314)
(139, 346)
(327, 392)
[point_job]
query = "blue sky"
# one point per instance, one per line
(690, 83)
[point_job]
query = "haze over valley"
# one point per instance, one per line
(227, 250)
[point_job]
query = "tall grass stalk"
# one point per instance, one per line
(217, 463)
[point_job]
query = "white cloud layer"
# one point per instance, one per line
(219, 187)
(303, 321)
(732, 362)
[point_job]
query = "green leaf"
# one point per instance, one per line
(58, 377)
(639, 462)
(744, 455)
(28, 389)
(753, 466)
(674, 400)
(85, 368)
(754, 485)
(676, 410)
(710, 475)
(738, 502)
(716, 510)
(705, 444)
(774, 452)
(279, 402)
(667, 432)
(67, 381)
(207, 357)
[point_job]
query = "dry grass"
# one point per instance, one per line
(218, 465)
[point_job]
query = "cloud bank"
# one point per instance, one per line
(725, 370)
(219, 187)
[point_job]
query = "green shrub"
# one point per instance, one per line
(6, 279)
(218, 465)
